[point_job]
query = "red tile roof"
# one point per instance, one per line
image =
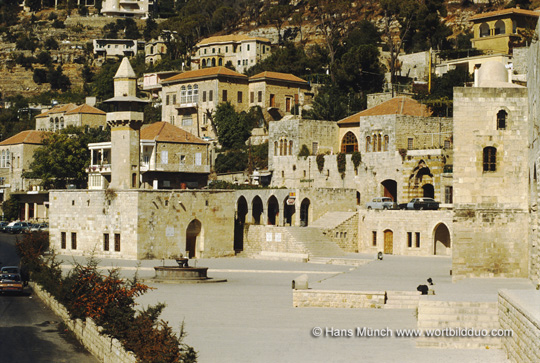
(58, 109)
(496, 13)
(203, 73)
(395, 106)
(279, 76)
(26, 137)
(229, 39)
(165, 132)
(86, 109)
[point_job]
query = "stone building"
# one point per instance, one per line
(241, 51)
(117, 47)
(190, 98)
(134, 9)
(498, 31)
(171, 158)
(491, 208)
(60, 117)
(16, 155)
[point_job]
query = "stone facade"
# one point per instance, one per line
(60, 117)
(490, 182)
(408, 233)
(137, 224)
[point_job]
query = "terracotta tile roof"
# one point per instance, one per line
(165, 132)
(280, 76)
(87, 109)
(58, 109)
(203, 73)
(491, 14)
(229, 39)
(395, 106)
(26, 137)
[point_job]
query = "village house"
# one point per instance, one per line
(135, 9)
(240, 51)
(117, 47)
(60, 117)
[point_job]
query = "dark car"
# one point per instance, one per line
(3, 226)
(422, 203)
(17, 227)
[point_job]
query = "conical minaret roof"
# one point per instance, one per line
(125, 70)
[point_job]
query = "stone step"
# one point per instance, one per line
(315, 242)
(332, 220)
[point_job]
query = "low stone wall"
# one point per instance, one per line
(520, 312)
(338, 299)
(105, 349)
(260, 238)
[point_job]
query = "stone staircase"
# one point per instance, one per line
(331, 220)
(315, 243)
(402, 299)
(458, 315)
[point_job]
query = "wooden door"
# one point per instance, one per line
(388, 242)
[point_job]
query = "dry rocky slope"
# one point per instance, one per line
(76, 38)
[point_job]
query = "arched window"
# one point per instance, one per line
(183, 94)
(379, 142)
(220, 61)
(290, 147)
(374, 142)
(204, 63)
(152, 49)
(501, 120)
(484, 30)
(368, 144)
(349, 144)
(213, 62)
(284, 147)
(275, 148)
(195, 94)
(386, 142)
(280, 147)
(189, 97)
(500, 28)
(51, 124)
(3, 163)
(61, 122)
(56, 124)
(514, 27)
(490, 159)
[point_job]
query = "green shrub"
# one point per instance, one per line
(320, 162)
(304, 151)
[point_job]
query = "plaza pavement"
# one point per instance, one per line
(250, 318)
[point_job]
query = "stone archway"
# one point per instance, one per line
(257, 210)
(429, 191)
(273, 211)
(390, 189)
(441, 241)
(304, 212)
(289, 210)
(239, 222)
(193, 231)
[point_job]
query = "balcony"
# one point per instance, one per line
(102, 169)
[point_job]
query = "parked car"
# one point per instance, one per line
(39, 227)
(381, 203)
(17, 227)
(3, 225)
(10, 270)
(421, 203)
(11, 282)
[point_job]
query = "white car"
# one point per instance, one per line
(381, 203)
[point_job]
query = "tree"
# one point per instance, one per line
(330, 104)
(10, 208)
(276, 15)
(150, 29)
(57, 79)
(40, 76)
(64, 157)
(233, 128)
(103, 85)
(51, 43)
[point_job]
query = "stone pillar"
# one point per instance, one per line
(26, 211)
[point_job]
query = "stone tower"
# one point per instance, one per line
(125, 121)
(490, 237)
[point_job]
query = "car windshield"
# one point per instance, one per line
(10, 269)
(11, 277)
(12, 224)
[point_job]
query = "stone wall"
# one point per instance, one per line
(426, 132)
(345, 235)
(533, 85)
(408, 233)
(518, 311)
(491, 219)
(151, 224)
(338, 299)
(270, 239)
(104, 348)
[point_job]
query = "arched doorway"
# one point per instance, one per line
(289, 211)
(390, 189)
(349, 143)
(304, 212)
(192, 232)
(256, 210)
(388, 242)
(441, 241)
(273, 211)
(239, 222)
(429, 190)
